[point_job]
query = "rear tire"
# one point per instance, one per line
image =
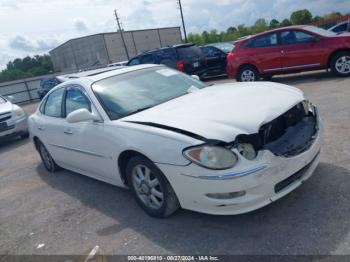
(150, 188)
(47, 159)
(248, 74)
(340, 64)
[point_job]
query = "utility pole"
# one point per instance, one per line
(182, 18)
(121, 33)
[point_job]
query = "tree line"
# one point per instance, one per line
(299, 17)
(26, 67)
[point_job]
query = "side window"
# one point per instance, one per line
(147, 59)
(135, 61)
(295, 37)
(267, 40)
(75, 99)
(210, 51)
(341, 28)
(53, 105)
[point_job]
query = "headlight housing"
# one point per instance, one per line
(213, 157)
(18, 111)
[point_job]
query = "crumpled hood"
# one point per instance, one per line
(223, 111)
(6, 107)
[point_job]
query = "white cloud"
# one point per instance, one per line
(45, 23)
(22, 43)
(80, 25)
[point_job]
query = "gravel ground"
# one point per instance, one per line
(70, 213)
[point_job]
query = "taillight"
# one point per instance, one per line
(229, 57)
(180, 65)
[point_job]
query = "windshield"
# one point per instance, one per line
(226, 47)
(2, 100)
(319, 31)
(129, 93)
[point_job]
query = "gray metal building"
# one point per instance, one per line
(100, 49)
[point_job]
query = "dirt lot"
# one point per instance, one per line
(70, 213)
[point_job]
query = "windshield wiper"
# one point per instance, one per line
(138, 110)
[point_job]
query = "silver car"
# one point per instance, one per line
(13, 119)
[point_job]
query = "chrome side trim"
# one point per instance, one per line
(81, 151)
(231, 175)
(291, 67)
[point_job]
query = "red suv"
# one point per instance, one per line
(289, 50)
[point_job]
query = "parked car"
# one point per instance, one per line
(289, 50)
(175, 142)
(341, 27)
(46, 85)
(216, 54)
(187, 58)
(13, 119)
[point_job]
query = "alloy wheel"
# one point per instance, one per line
(247, 76)
(147, 187)
(342, 65)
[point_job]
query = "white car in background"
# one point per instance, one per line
(13, 120)
(175, 142)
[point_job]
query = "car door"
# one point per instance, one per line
(301, 50)
(87, 147)
(50, 124)
(214, 57)
(264, 52)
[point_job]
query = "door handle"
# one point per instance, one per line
(68, 132)
(40, 128)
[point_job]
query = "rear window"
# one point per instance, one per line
(189, 51)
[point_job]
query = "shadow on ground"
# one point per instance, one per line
(310, 220)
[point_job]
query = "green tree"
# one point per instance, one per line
(26, 67)
(274, 24)
(286, 22)
(301, 17)
(259, 26)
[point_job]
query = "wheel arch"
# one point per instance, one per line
(334, 53)
(123, 160)
(36, 141)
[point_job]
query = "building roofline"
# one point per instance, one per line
(107, 33)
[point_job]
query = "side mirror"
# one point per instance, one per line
(196, 77)
(81, 115)
(10, 98)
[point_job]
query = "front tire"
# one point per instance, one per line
(340, 64)
(47, 159)
(150, 188)
(248, 74)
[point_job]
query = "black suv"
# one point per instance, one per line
(187, 58)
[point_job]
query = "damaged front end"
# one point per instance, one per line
(288, 135)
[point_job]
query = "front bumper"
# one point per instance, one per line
(264, 180)
(15, 127)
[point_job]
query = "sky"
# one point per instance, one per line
(31, 27)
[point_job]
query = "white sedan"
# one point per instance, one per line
(175, 142)
(13, 120)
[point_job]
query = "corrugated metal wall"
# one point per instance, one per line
(97, 50)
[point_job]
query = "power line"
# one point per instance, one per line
(121, 33)
(182, 18)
